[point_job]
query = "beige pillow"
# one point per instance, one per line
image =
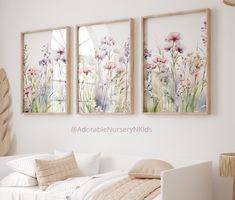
(149, 168)
(50, 171)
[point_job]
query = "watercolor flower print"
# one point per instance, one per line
(176, 75)
(104, 83)
(44, 82)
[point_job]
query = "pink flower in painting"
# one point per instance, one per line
(180, 48)
(60, 51)
(86, 69)
(174, 36)
(120, 70)
(99, 56)
(159, 60)
(110, 66)
(168, 46)
(27, 91)
(60, 55)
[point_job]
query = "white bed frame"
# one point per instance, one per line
(185, 182)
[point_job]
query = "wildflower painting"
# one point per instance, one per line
(45, 66)
(105, 68)
(176, 63)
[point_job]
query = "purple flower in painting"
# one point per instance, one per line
(168, 46)
(180, 48)
(46, 56)
(108, 41)
(127, 49)
(42, 89)
(63, 60)
(43, 62)
(204, 33)
(147, 53)
(174, 36)
(125, 59)
(122, 60)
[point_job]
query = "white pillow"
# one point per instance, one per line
(88, 163)
(17, 179)
(26, 165)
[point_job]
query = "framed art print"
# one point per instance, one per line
(105, 64)
(176, 60)
(45, 71)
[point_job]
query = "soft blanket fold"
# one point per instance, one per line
(130, 189)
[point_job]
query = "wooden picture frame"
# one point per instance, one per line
(172, 86)
(45, 71)
(105, 59)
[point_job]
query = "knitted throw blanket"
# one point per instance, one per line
(130, 189)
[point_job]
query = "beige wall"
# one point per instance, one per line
(193, 137)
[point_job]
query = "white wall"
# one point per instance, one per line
(194, 137)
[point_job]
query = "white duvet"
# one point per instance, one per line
(81, 188)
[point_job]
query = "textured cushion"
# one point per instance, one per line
(88, 163)
(17, 179)
(149, 168)
(26, 165)
(50, 171)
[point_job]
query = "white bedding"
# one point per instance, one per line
(81, 188)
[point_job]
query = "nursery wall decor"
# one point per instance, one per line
(45, 71)
(5, 138)
(176, 60)
(105, 67)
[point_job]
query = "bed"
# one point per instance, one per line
(194, 178)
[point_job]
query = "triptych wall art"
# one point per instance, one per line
(175, 63)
